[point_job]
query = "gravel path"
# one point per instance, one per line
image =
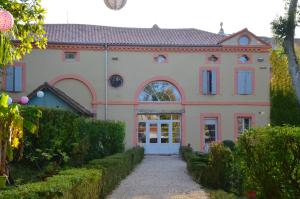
(159, 177)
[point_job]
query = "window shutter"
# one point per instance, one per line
(214, 82)
(248, 75)
(241, 82)
(9, 80)
(204, 82)
(18, 79)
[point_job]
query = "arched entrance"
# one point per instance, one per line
(160, 131)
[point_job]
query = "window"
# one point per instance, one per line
(244, 40)
(71, 56)
(244, 59)
(245, 82)
(212, 58)
(244, 123)
(14, 78)
(159, 91)
(209, 82)
(160, 59)
(210, 130)
(142, 132)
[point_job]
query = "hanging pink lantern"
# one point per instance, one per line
(24, 100)
(6, 20)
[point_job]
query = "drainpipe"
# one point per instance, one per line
(106, 81)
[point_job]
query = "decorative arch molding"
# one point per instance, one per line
(85, 82)
(160, 78)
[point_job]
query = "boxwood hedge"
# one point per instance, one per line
(97, 180)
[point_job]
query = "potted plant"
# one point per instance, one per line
(251, 194)
(250, 189)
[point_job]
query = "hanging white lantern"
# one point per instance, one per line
(115, 4)
(9, 101)
(40, 94)
(6, 20)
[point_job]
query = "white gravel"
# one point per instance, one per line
(159, 177)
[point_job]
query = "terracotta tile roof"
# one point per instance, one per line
(155, 36)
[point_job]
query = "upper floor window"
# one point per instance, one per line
(244, 40)
(213, 58)
(160, 59)
(245, 82)
(14, 78)
(209, 82)
(244, 123)
(71, 56)
(159, 91)
(244, 59)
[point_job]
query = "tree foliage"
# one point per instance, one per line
(270, 158)
(284, 30)
(11, 131)
(28, 29)
(284, 106)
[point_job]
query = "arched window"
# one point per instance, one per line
(159, 91)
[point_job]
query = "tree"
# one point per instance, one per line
(11, 130)
(28, 30)
(284, 30)
(284, 105)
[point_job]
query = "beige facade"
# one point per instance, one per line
(84, 81)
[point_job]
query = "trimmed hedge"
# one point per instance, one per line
(211, 170)
(65, 137)
(69, 184)
(96, 181)
(116, 167)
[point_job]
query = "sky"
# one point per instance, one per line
(256, 15)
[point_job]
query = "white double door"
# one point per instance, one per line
(159, 138)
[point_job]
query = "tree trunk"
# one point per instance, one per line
(3, 169)
(289, 48)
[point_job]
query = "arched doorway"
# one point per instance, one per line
(159, 132)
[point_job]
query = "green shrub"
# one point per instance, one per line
(229, 144)
(96, 181)
(219, 166)
(103, 137)
(270, 159)
(64, 137)
(220, 194)
(212, 170)
(116, 167)
(69, 184)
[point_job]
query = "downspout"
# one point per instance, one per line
(106, 81)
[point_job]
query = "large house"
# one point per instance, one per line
(172, 87)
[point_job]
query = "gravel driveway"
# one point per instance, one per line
(159, 177)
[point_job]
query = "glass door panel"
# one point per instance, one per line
(153, 134)
(176, 132)
(164, 127)
(142, 132)
(210, 130)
